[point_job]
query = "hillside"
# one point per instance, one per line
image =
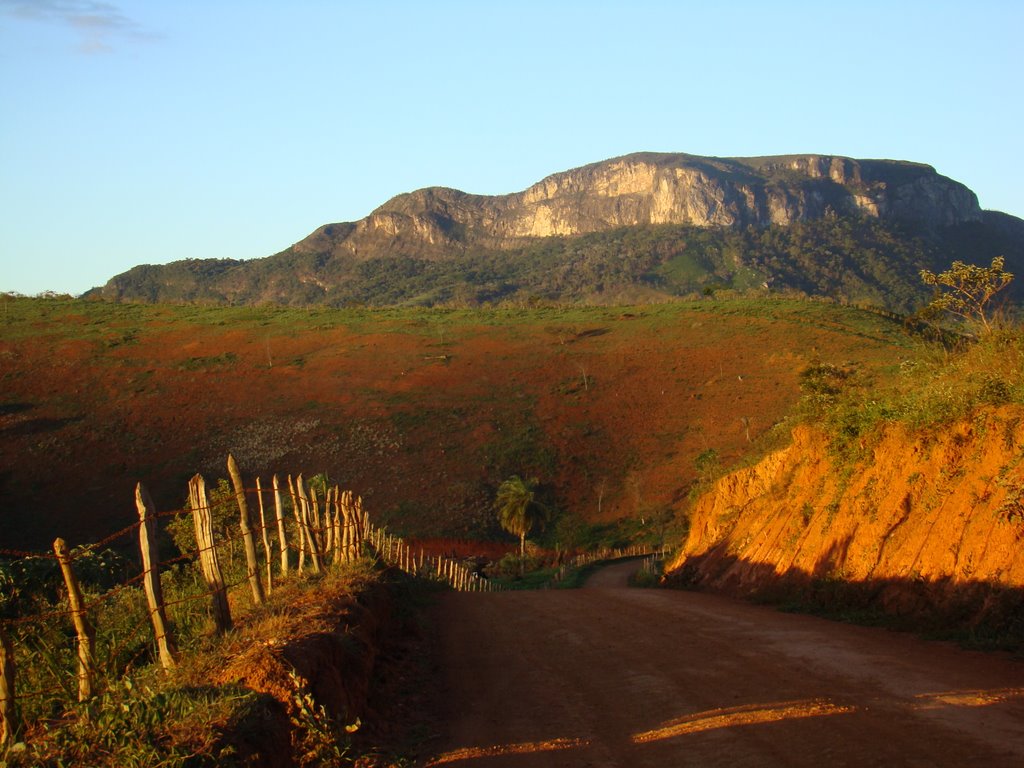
(920, 520)
(422, 412)
(636, 228)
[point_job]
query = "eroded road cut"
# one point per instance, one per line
(611, 676)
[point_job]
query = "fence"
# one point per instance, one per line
(651, 555)
(317, 529)
(653, 564)
(326, 526)
(397, 553)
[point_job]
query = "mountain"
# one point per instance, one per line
(643, 226)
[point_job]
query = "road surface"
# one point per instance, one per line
(611, 676)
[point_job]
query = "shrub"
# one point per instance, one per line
(935, 386)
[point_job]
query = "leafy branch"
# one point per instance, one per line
(967, 291)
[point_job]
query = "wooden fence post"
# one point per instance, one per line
(347, 524)
(317, 524)
(266, 540)
(333, 526)
(339, 526)
(300, 528)
(279, 513)
(208, 562)
(349, 538)
(151, 577)
(362, 524)
(251, 564)
(328, 527)
(304, 516)
(345, 552)
(9, 725)
(83, 629)
(361, 532)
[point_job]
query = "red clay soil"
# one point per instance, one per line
(421, 413)
(608, 676)
(925, 526)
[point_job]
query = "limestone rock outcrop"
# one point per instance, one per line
(650, 188)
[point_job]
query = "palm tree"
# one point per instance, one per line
(518, 510)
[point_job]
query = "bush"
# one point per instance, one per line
(135, 725)
(935, 386)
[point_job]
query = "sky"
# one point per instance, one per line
(146, 131)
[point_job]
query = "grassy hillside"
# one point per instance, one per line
(423, 412)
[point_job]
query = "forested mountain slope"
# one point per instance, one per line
(636, 228)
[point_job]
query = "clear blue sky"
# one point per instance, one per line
(136, 131)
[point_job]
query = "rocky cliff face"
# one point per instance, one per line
(929, 524)
(640, 227)
(650, 188)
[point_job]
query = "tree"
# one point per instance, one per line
(518, 510)
(968, 291)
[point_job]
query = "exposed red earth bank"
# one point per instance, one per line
(927, 523)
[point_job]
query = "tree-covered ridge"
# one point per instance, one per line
(637, 228)
(849, 259)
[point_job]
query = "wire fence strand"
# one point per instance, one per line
(344, 531)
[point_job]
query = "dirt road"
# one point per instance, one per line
(611, 676)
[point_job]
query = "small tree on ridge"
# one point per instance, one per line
(968, 291)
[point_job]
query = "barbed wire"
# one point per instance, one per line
(189, 598)
(80, 551)
(43, 692)
(341, 519)
(18, 553)
(112, 655)
(114, 536)
(180, 558)
(318, 532)
(35, 617)
(117, 588)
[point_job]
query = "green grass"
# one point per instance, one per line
(933, 387)
(119, 324)
(544, 578)
(142, 715)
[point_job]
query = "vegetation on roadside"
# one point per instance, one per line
(941, 381)
(518, 509)
(1001, 628)
(188, 716)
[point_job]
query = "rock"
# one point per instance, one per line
(650, 188)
